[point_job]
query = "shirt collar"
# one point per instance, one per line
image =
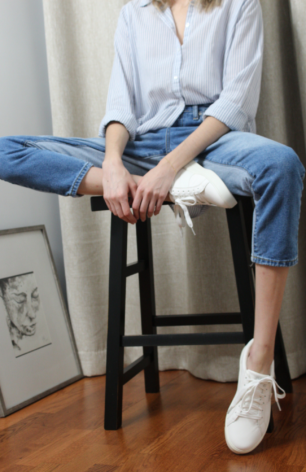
(144, 3)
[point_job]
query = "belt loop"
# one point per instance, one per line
(195, 110)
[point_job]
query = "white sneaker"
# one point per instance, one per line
(248, 416)
(195, 185)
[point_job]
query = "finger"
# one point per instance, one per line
(118, 209)
(144, 207)
(131, 202)
(136, 204)
(151, 207)
(133, 193)
(108, 204)
(133, 188)
(127, 212)
(118, 212)
(158, 206)
(112, 207)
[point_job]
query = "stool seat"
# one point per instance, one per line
(239, 219)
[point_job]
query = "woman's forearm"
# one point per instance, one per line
(207, 133)
(116, 181)
(116, 138)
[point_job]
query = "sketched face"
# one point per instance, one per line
(22, 303)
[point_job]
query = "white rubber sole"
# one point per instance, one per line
(227, 200)
(239, 451)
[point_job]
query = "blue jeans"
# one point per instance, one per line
(249, 164)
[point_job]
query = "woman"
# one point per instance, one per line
(185, 86)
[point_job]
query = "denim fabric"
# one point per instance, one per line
(249, 164)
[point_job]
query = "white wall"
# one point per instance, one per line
(25, 110)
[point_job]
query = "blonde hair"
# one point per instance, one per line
(205, 5)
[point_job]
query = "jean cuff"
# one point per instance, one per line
(273, 262)
(74, 187)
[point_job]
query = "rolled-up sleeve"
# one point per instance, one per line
(242, 71)
(120, 98)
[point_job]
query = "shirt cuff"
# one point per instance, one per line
(229, 113)
(129, 121)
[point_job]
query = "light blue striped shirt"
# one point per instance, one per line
(153, 76)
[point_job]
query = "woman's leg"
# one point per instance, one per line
(270, 286)
(273, 175)
(58, 165)
(45, 163)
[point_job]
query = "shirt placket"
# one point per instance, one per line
(167, 18)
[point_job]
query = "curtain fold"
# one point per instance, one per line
(196, 277)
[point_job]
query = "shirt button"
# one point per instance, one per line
(175, 78)
(187, 25)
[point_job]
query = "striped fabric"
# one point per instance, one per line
(153, 76)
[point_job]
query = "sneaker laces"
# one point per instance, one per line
(181, 212)
(248, 396)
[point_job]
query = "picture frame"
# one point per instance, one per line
(38, 353)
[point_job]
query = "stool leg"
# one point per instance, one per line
(243, 271)
(147, 302)
(116, 321)
(271, 424)
(282, 373)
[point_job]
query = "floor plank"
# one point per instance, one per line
(178, 429)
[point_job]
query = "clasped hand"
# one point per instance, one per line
(147, 195)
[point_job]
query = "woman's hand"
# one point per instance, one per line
(152, 190)
(118, 185)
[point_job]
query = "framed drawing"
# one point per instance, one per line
(37, 348)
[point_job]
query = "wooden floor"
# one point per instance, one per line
(179, 429)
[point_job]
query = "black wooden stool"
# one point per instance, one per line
(239, 219)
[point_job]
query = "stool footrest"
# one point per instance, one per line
(135, 268)
(188, 339)
(197, 320)
(137, 366)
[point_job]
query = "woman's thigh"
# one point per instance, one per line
(237, 157)
(55, 164)
(91, 150)
(273, 174)
(247, 162)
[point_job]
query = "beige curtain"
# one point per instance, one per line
(197, 277)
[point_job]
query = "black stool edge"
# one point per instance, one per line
(183, 339)
(98, 203)
(197, 319)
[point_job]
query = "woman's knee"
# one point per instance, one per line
(291, 162)
(283, 162)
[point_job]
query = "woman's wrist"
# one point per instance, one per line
(114, 159)
(166, 161)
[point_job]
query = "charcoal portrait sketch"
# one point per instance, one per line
(26, 321)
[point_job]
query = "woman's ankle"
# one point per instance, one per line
(91, 183)
(260, 358)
